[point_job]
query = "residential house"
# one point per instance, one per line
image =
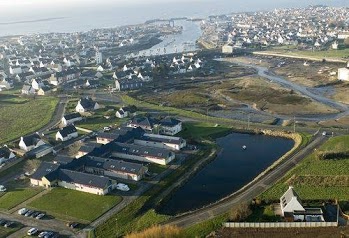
(28, 143)
(6, 154)
(170, 126)
(146, 123)
(161, 141)
(67, 133)
(142, 153)
(86, 105)
(114, 168)
(123, 112)
(28, 90)
(6, 84)
(293, 210)
(343, 74)
(43, 170)
(70, 118)
(126, 84)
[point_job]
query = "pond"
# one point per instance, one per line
(233, 168)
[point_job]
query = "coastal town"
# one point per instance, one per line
(105, 133)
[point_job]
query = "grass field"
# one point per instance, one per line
(202, 130)
(5, 232)
(69, 204)
(318, 54)
(316, 179)
(14, 197)
(20, 116)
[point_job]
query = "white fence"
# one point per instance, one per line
(278, 224)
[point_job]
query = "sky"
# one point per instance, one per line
(18, 10)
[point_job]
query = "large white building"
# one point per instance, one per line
(343, 74)
(99, 57)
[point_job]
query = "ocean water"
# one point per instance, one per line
(111, 14)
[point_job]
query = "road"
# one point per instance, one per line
(58, 114)
(248, 192)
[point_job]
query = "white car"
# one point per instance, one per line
(122, 187)
(2, 188)
(22, 211)
(32, 231)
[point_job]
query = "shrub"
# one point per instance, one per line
(158, 232)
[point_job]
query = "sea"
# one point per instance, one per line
(31, 19)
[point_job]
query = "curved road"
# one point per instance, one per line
(249, 192)
(266, 74)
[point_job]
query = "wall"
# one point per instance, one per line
(82, 188)
(278, 224)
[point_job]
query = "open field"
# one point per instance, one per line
(16, 196)
(317, 179)
(74, 204)
(21, 116)
(5, 232)
(316, 54)
(327, 232)
(269, 96)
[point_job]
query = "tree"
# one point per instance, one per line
(240, 212)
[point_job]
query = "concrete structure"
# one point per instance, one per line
(161, 141)
(343, 74)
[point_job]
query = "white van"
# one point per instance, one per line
(32, 231)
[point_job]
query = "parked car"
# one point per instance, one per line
(28, 213)
(2, 188)
(22, 211)
(35, 213)
(2, 222)
(42, 234)
(73, 225)
(32, 231)
(9, 224)
(49, 234)
(40, 216)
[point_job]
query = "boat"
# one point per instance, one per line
(244, 147)
(122, 187)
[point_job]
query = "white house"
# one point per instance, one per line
(227, 49)
(67, 133)
(161, 141)
(170, 126)
(6, 154)
(70, 118)
(30, 142)
(86, 104)
(290, 202)
(343, 74)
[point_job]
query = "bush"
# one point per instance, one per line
(158, 232)
(240, 212)
(332, 155)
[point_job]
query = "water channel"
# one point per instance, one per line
(232, 169)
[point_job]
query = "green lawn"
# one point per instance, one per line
(316, 179)
(318, 54)
(16, 196)
(21, 116)
(70, 204)
(5, 232)
(203, 130)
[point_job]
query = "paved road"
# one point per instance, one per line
(249, 192)
(59, 112)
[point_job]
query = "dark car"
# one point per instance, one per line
(40, 216)
(9, 224)
(2, 222)
(73, 225)
(28, 213)
(35, 214)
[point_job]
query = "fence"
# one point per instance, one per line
(278, 224)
